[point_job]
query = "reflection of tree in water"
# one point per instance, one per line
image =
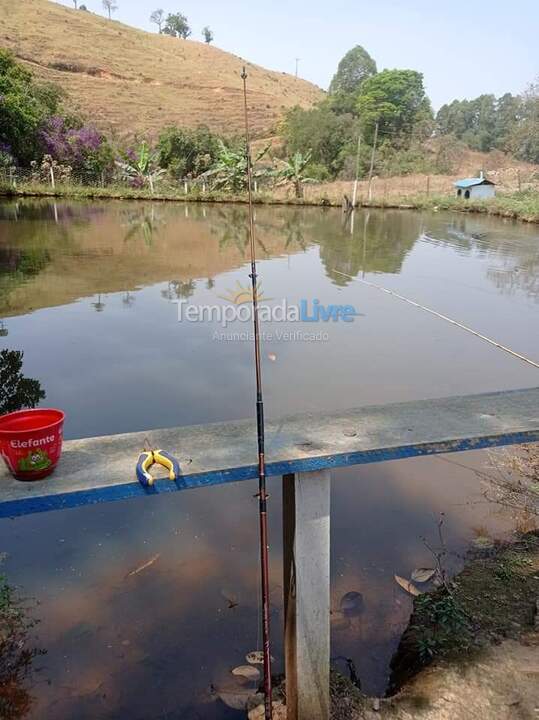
(177, 289)
(294, 231)
(16, 391)
(16, 654)
(524, 278)
(37, 210)
(17, 266)
(380, 243)
(233, 229)
(514, 246)
(142, 223)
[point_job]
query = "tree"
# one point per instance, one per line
(24, 106)
(141, 168)
(523, 140)
(327, 135)
(485, 122)
(508, 109)
(158, 17)
(207, 35)
(187, 153)
(354, 68)
(293, 172)
(396, 100)
(79, 146)
(16, 391)
(110, 6)
(176, 25)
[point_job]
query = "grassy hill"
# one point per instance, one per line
(130, 81)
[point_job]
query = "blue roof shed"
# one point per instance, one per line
(478, 187)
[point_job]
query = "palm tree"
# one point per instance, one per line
(292, 172)
(143, 169)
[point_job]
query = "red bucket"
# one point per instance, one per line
(31, 441)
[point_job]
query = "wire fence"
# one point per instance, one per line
(56, 177)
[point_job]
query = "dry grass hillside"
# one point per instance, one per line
(130, 81)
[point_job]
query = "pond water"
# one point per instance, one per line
(145, 604)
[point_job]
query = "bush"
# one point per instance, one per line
(187, 153)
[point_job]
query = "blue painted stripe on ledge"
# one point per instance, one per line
(62, 501)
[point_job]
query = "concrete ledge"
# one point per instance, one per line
(102, 469)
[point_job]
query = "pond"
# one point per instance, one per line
(147, 604)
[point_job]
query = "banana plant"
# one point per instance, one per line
(292, 173)
(143, 170)
(230, 169)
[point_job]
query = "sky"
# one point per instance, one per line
(463, 49)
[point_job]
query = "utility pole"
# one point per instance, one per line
(373, 154)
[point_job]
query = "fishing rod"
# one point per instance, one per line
(262, 495)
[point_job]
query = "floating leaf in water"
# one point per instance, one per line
(423, 575)
(247, 671)
(352, 603)
(407, 585)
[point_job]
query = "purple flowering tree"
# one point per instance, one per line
(83, 148)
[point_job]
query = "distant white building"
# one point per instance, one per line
(475, 188)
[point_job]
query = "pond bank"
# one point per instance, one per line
(522, 206)
(470, 651)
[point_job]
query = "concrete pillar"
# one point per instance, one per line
(306, 499)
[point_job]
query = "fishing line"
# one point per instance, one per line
(442, 317)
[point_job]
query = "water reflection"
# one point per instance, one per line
(16, 390)
(17, 653)
(150, 643)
